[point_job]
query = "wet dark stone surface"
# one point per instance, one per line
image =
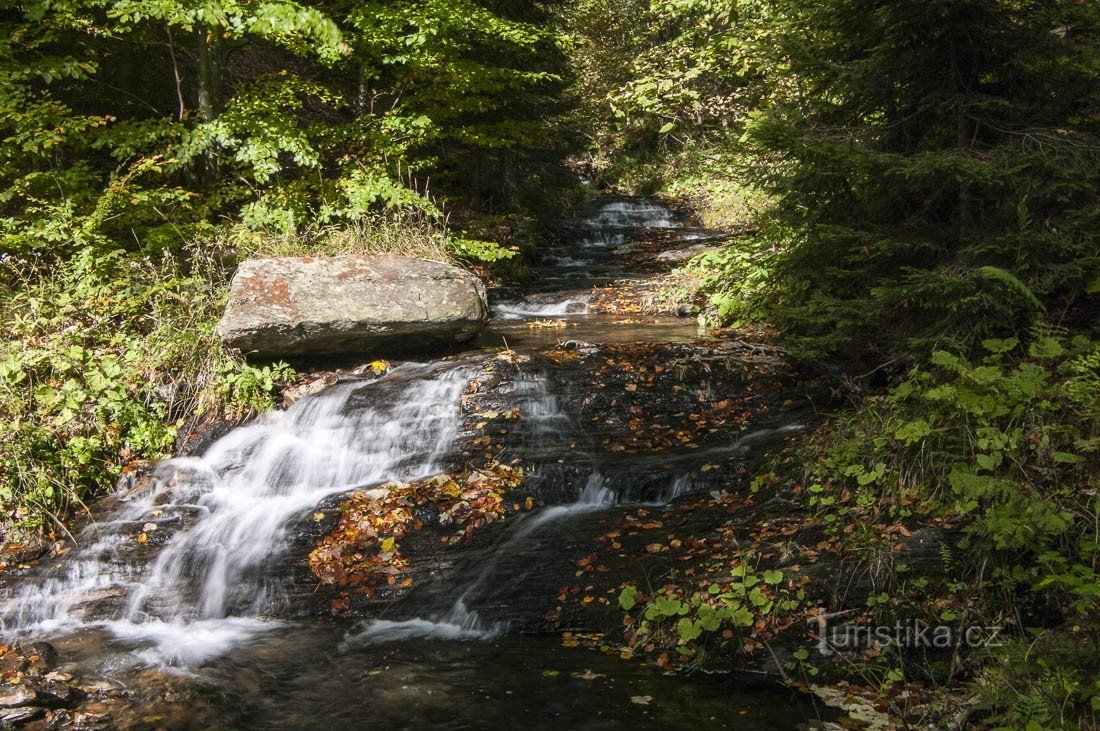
(586, 423)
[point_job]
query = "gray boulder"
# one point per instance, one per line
(295, 306)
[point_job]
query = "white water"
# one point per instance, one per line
(568, 261)
(633, 214)
(577, 305)
(602, 239)
(232, 507)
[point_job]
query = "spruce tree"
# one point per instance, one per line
(935, 166)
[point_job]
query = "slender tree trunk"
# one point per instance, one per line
(212, 62)
(364, 101)
(213, 57)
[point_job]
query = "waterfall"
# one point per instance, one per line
(230, 509)
(590, 253)
(633, 214)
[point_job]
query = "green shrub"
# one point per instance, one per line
(103, 358)
(1006, 450)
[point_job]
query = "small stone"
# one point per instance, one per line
(19, 715)
(42, 656)
(98, 687)
(88, 719)
(17, 695)
(309, 388)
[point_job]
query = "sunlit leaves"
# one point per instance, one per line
(284, 22)
(364, 548)
(628, 596)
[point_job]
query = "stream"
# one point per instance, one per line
(211, 620)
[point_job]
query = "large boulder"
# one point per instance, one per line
(295, 306)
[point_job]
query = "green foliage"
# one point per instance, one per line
(1049, 681)
(735, 276)
(244, 389)
(480, 250)
(655, 78)
(1006, 450)
(101, 362)
(1005, 444)
(686, 617)
(933, 172)
(141, 122)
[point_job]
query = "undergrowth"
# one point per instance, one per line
(412, 232)
(1004, 454)
(104, 357)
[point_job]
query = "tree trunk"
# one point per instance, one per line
(213, 55)
(212, 63)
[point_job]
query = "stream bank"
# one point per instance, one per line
(636, 439)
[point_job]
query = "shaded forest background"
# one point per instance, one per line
(915, 187)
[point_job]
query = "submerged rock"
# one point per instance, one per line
(295, 306)
(16, 696)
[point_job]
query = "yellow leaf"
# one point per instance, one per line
(387, 545)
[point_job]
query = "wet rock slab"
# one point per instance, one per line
(646, 422)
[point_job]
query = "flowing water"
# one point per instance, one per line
(202, 594)
(225, 515)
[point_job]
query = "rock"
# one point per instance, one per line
(99, 687)
(690, 252)
(685, 309)
(58, 695)
(309, 388)
(295, 306)
(14, 696)
(41, 656)
(19, 715)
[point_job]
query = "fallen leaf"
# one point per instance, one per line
(588, 675)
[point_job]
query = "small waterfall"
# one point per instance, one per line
(230, 509)
(681, 485)
(633, 214)
(589, 254)
(602, 240)
(550, 432)
(573, 305)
